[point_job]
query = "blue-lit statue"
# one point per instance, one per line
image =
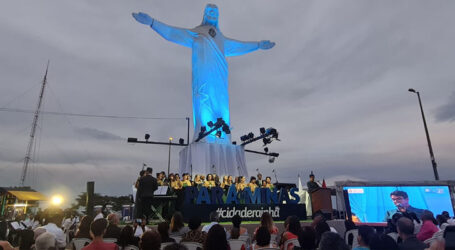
(210, 69)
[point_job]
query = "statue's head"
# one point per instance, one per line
(210, 15)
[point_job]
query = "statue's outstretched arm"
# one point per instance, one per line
(177, 35)
(236, 48)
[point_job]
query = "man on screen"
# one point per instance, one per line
(401, 201)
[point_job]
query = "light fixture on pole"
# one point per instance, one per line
(169, 158)
(433, 160)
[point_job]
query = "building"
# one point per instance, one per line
(19, 200)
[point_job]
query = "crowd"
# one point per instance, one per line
(404, 231)
(210, 180)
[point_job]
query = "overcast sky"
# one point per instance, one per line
(335, 86)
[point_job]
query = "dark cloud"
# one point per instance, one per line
(98, 134)
(446, 113)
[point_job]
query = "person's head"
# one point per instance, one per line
(214, 216)
(149, 170)
(230, 178)
(194, 223)
(84, 226)
(216, 238)
(365, 234)
(307, 238)
(405, 227)
(171, 177)
(320, 228)
(141, 173)
(267, 221)
(175, 246)
(202, 177)
(263, 236)
(185, 177)
(225, 179)
(163, 229)
(264, 184)
(311, 176)
(293, 225)
(113, 219)
(197, 178)
(446, 214)
(150, 240)
(242, 179)
(26, 239)
(332, 241)
(268, 179)
(45, 241)
(235, 233)
(400, 199)
(253, 180)
(54, 218)
(211, 15)
(126, 236)
(382, 242)
(176, 222)
(259, 176)
(427, 215)
(236, 221)
(209, 177)
(441, 219)
(98, 228)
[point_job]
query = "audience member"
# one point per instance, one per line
(97, 230)
(320, 229)
(293, 229)
(84, 228)
(332, 241)
(195, 234)
(307, 239)
(363, 237)
(267, 221)
(252, 185)
(382, 242)
(127, 237)
(236, 221)
(349, 225)
(216, 239)
(139, 227)
(150, 240)
(405, 228)
(175, 246)
(263, 238)
(214, 219)
(5, 245)
(113, 230)
(442, 221)
(177, 226)
(26, 239)
(163, 229)
(428, 226)
(52, 221)
(99, 213)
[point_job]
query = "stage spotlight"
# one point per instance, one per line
(226, 129)
(266, 149)
(132, 139)
(57, 200)
(243, 138)
(271, 159)
(234, 143)
(274, 154)
(203, 129)
(147, 137)
(210, 124)
(266, 141)
(262, 130)
(181, 141)
(250, 135)
(218, 134)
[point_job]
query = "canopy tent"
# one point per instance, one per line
(28, 195)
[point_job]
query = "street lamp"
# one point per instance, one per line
(433, 161)
(169, 158)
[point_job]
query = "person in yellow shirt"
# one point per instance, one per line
(209, 183)
(252, 185)
(269, 184)
(225, 184)
(197, 180)
(241, 183)
(177, 183)
(186, 180)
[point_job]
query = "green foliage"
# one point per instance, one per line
(98, 199)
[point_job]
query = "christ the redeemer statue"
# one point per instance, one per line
(210, 69)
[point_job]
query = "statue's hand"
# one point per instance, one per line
(266, 44)
(143, 18)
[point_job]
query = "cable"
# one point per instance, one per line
(90, 115)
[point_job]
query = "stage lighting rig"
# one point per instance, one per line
(267, 136)
(181, 141)
(147, 137)
(220, 123)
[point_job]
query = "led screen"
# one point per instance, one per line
(376, 204)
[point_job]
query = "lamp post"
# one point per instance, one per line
(169, 158)
(433, 161)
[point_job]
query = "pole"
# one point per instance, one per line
(433, 161)
(169, 158)
(90, 195)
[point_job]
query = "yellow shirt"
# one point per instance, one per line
(209, 184)
(176, 185)
(240, 186)
(252, 186)
(186, 183)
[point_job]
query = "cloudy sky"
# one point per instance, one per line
(335, 86)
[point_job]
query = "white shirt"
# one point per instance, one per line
(207, 227)
(98, 216)
(60, 237)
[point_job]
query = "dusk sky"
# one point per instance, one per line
(335, 86)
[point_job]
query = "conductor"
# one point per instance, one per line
(147, 186)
